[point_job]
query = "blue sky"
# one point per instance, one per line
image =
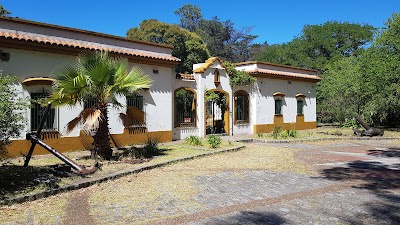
(274, 21)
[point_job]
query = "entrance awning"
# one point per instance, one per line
(37, 81)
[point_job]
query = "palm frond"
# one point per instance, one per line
(92, 121)
(59, 99)
(124, 119)
(135, 80)
(115, 103)
(89, 118)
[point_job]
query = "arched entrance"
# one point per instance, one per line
(216, 112)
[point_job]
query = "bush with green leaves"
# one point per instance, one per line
(351, 123)
(11, 115)
(260, 135)
(214, 141)
(276, 132)
(238, 77)
(292, 133)
(150, 146)
(193, 140)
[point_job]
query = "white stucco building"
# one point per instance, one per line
(173, 108)
(281, 96)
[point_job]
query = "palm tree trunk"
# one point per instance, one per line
(101, 138)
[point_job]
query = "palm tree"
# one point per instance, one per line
(99, 78)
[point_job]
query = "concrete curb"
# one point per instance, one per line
(86, 182)
(255, 140)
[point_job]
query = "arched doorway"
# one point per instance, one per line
(216, 112)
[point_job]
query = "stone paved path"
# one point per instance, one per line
(341, 182)
(359, 184)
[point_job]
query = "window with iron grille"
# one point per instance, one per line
(278, 107)
(37, 112)
(89, 103)
(135, 101)
(185, 108)
(241, 107)
(300, 106)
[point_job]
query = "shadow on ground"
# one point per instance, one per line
(390, 152)
(381, 179)
(251, 218)
(16, 180)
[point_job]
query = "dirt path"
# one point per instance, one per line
(78, 209)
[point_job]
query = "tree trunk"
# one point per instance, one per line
(101, 138)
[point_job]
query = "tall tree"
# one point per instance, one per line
(381, 63)
(191, 17)
(343, 92)
(3, 11)
(187, 46)
(225, 41)
(319, 45)
(101, 78)
(221, 37)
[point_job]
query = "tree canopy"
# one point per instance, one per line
(3, 11)
(222, 39)
(187, 46)
(318, 45)
(367, 83)
(196, 38)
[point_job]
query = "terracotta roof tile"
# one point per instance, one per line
(284, 74)
(185, 76)
(41, 38)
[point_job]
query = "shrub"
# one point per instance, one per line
(260, 135)
(214, 141)
(193, 140)
(132, 152)
(351, 123)
(292, 133)
(277, 131)
(11, 115)
(150, 147)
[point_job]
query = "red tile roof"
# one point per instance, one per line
(285, 74)
(68, 42)
(185, 76)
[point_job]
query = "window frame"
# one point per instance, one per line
(217, 77)
(51, 120)
(302, 107)
(193, 117)
(89, 103)
(246, 112)
(135, 98)
(278, 111)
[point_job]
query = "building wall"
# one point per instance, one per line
(265, 118)
(157, 101)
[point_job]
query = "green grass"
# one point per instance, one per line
(17, 181)
(320, 132)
